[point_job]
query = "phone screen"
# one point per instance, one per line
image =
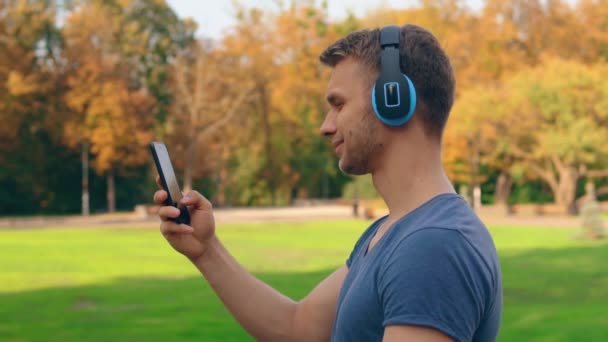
(166, 172)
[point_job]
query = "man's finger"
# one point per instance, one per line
(160, 197)
(159, 183)
(168, 212)
(197, 201)
(169, 227)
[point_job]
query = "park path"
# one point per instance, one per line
(263, 214)
(222, 215)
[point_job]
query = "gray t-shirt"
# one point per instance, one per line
(435, 267)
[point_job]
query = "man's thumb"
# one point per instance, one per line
(195, 199)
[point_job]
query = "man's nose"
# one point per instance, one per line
(328, 128)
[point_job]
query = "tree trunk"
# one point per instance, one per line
(324, 185)
(223, 175)
(111, 194)
(503, 191)
(566, 189)
(474, 190)
(84, 157)
(189, 164)
(564, 185)
(221, 186)
(356, 199)
(269, 169)
(477, 197)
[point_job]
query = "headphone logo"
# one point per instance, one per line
(391, 94)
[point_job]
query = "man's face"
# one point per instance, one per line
(350, 122)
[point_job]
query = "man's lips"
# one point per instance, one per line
(337, 145)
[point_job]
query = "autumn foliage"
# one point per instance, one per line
(94, 81)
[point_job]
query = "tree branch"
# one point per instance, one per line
(234, 109)
(182, 84)
(546, 174)
(597, 173)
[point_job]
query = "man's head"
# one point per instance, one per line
(356, 61)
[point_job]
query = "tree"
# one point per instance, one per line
(567, 104)
(111, 116)
(471, 136)
(209, 93)
(303, 33)
(31, 110)
(252, 40)
(594, 16)
(151, 36)
(119, 54)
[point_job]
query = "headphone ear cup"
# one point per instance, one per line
(387, 100)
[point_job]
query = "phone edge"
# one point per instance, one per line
(159, 169)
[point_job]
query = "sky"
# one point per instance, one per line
(214, 16)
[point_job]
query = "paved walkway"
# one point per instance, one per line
(238, 215)
(224, 215)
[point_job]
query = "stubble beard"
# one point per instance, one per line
(363, 146)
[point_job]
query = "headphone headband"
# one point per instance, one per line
(390, 36)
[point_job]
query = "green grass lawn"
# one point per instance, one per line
(129, 285)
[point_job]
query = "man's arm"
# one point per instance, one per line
(261, 310)
(412, 333)
(264, 312)
(316, 313)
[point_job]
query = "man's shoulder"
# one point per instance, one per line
(447, 224)
(439, 268)
(444, 242)
(448, 212)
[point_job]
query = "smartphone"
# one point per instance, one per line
(168, 180)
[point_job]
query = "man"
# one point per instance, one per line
(428, 271)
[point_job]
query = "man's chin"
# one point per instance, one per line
(340, 166)
(350, 169)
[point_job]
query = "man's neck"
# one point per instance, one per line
(408, 179)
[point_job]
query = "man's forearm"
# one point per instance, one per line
(264, 312)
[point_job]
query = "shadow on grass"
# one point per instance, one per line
(134, 309)
(550, 295)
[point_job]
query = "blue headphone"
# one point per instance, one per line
(394, 95)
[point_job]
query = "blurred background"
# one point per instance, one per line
(87, 84)
(236, 91)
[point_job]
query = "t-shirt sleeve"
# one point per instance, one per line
(435, 278)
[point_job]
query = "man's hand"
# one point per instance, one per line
(191, 240)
